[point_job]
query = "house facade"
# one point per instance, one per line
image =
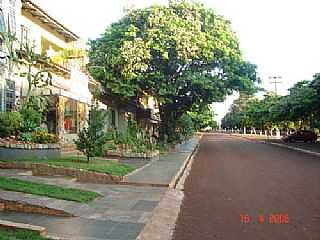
(69, 94)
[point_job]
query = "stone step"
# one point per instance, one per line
(13, 226)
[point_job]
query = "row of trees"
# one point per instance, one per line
(183, 54)
(299, 109)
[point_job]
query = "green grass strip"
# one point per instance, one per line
(20, 235)
(95, 165)
(41, 189)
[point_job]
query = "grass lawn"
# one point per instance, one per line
(95, 165)
(41, 189)
(20, 235)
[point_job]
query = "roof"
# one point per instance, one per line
(40, 14)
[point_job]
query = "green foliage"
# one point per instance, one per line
(8, 46)
(20, 235)
(134, 139)
(182, 54)
(10, 123)
(33, 67)
(36, 77)
(184, 128)
(300, 108)
(25, 137)
(42, 136)
(31, 119)
(202, 116)
(71, 194)
(34, 106)
(92, 138)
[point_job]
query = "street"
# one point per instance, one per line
(245, 190)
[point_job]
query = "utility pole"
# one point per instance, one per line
(275, 82)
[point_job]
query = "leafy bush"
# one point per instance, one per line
(42, 136)
(184, 128)
(10, 123)
(25, 137)
(92, 138)
(134, 139)
(31, 119)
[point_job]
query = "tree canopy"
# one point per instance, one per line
(182, 54)
(300, 108)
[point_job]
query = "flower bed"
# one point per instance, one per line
(129, 154)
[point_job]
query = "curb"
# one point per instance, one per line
(317, 154)
(294, 148)
(142, 184)
(182, 169)
(172, 183)
(161, 226)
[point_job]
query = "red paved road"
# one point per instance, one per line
(233, 176)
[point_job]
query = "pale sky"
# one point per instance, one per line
(281, 36)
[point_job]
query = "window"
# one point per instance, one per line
(24, 35)
(10, 95)
(12, 16)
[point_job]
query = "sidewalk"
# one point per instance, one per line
(162, 171)
(120, 214)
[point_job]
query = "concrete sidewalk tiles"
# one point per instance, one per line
(162, 171)
(79, 228)
(120, 203)
(120, 214)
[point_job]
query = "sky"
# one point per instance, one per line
(281, 36)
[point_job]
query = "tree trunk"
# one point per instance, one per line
(167, 126)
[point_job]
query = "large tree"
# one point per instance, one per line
(182, 54)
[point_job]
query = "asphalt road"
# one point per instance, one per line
(244, 190)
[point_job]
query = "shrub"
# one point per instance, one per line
(25, 137)
(31, 119)
(134, 139)
(42, 136)
(92, 138)
(10, 123)
(184, 128)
